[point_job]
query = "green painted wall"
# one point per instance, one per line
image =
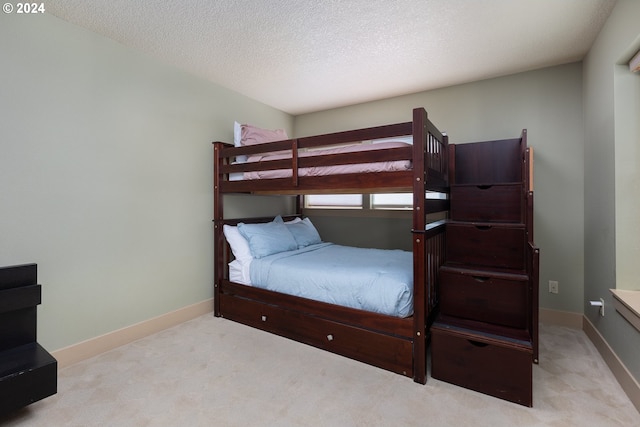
(611, 190)
(106, 176)
(548, 103)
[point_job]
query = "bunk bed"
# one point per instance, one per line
(329, 164)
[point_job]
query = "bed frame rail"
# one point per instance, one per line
(427, 138)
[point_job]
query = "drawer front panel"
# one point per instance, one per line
(387, 352)
(486, 246)
(484, 298)
(474, 363)
(497, 203)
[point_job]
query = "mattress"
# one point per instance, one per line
(387, 166)
(376, 280)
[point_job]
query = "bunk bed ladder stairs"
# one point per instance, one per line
(486, 336)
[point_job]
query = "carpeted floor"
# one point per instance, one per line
(213, 372)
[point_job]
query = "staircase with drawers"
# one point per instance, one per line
(486, 336)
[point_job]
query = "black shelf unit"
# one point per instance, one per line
(28, 373)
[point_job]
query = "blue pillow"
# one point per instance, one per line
(304, 233)
(268, 238)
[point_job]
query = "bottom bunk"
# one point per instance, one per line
(395, 342)
(337, 329)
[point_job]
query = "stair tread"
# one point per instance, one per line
(490, 272)
(492, 331)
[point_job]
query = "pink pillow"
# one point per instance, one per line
(251, 135)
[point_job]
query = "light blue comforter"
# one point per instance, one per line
(368, 279)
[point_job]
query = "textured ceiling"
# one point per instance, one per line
(308, 55)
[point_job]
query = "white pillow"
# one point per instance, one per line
(239, 245)
(240, 272)
(237, 140)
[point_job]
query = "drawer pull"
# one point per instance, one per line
(264, 318)
(477, 343)
(480, 278)
(484, 187)
(330, 337)
(483, 227)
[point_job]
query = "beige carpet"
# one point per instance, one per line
(213, 372)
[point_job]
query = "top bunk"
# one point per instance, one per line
(401, 157)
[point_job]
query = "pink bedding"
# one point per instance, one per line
(398, 165)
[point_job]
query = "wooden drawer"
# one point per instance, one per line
(499, 203)
(484, 363)
(488, 161)
(486, 245)
(391, 353)
(484, 296)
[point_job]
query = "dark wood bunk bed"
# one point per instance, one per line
(393, 343)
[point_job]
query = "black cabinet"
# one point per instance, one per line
(28, 373)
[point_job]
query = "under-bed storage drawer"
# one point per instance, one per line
(385, 351)
(470, 359)
(484, 296)
(491, 203)
(486, 245)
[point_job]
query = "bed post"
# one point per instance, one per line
(299, 204)
(533, 254)
(419, 248)
(218, 237)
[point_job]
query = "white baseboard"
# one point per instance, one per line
(92, 347)
(628, 383)
(560, 318)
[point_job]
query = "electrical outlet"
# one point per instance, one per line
(553, 286)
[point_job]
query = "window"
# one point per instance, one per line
(333, 201)
(379, 201)
(392, 201)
